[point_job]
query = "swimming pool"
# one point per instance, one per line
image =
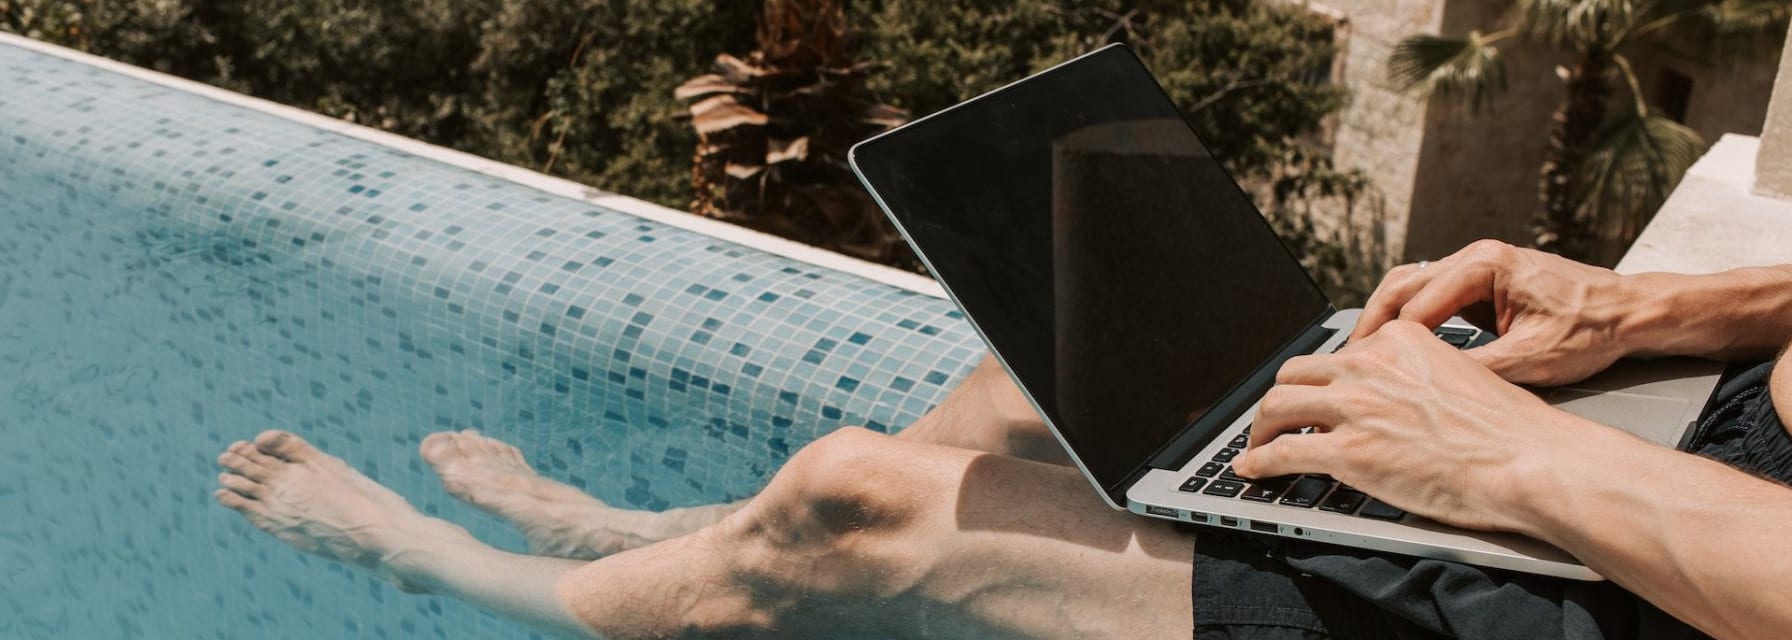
(177, 273)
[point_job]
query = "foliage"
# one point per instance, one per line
(773, 132)
(1606, 172)
(584, 88)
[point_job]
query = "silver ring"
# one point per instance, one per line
(1422, 263)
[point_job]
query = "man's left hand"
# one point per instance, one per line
(1412, 421)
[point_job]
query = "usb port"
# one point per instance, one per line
(1264, 527)
(1161, 511)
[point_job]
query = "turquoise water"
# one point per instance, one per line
(177, 273)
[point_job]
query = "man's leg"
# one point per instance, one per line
(986, 412)
(859, 531)
(318, 504)
(902, 539)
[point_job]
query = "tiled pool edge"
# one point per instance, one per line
(511, 173)
(179, 272)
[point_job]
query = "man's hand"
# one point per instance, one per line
(1406, 418)
(1559, 321)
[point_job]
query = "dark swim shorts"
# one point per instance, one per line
(1261, 587)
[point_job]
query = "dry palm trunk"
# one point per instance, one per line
(1558, 227)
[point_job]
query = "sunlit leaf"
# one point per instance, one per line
(723, 112)
(704, 85)
(1469, 69)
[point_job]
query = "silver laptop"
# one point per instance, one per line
(1143, 305)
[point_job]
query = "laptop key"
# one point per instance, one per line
(1306, 492)
(1381, 511)
(1229, 474)
(1193, 484)
(1268, 489)
(1224, 488)
(1225, 455)
(1210, 469)
(1344, 501)
(1239, 442)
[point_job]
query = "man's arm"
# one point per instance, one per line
(1736, 314)
(1703, 541)
(1415, 423)
(1560, 321)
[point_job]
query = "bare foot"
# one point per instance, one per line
(318, 504)
(556, 520)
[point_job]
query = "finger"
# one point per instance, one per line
(1449, 291)
(1288, 408)
(1309, 453)
(1313, 370)
(1384, 304)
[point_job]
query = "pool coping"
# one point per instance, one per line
(535, 180)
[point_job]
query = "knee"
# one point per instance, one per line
(845, 481)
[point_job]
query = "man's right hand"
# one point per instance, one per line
(1559, 321)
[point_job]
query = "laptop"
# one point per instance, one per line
(1143, 305)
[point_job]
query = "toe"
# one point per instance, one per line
(248, 450)
(240, 485)
(243, 466)
(437, 447)
(515, 455)
(237, 501)
(286, 446)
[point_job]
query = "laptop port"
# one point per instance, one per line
(1161, 511)
(1264, 527)
(1197, 516)
(1228, 521)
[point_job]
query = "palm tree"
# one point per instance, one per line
(1609, 166)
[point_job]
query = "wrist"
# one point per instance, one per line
(1654, 314)
(1722, 315)
(1541, 493)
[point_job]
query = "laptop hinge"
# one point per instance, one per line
(1193, 437)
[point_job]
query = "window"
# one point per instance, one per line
(1673, 92)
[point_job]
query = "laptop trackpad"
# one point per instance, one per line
(1652, 418)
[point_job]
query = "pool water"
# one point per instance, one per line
(178, 273)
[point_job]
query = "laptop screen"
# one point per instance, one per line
(1103, 252)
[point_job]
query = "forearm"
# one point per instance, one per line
(1741, 313)
(1699, 539)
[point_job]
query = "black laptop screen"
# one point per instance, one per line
(1107, 257)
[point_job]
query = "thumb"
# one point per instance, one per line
(1288, 454)
(1512, 357)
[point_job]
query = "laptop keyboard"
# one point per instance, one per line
(1310, 491)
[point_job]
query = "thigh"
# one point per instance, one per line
(977, 545)
(896, 538)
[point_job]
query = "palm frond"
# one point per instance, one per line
(1583, 24)
(1635, 161)
(1469, 69)
(1724, 31)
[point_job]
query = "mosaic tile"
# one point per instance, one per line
(178, 273)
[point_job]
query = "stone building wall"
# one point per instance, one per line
(1443, 175)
